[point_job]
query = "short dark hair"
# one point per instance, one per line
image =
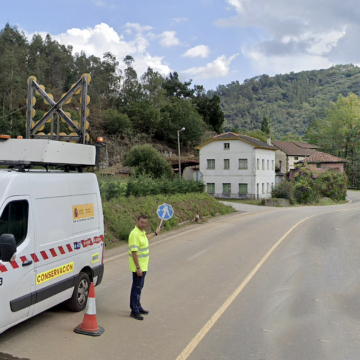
(142, 216)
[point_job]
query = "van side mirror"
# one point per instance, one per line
(7, 247)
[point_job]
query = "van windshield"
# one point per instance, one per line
(14, 220)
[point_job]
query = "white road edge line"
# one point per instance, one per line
(207, 327)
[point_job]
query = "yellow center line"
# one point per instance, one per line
(207, 327)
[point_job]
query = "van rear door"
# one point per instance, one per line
(17, 278)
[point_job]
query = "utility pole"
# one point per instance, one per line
(178, 136)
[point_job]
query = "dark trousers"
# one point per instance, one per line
(137, 285)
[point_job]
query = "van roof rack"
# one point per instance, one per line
(25, 153)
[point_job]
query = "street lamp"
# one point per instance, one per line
(178, 134)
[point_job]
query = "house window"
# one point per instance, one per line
(263, 188)
(14, 220)
(318, 166)
(296, 158)
(263, 164)
(210, 187)
(226, 146)
(226, 188)
(267, 188)
(211, 163)
(243, 164)
(226, 164)
(268, 164)
(243, 189)
(258, 164)
(272, 165)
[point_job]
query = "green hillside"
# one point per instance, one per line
(291, 101)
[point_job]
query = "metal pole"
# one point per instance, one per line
(178, 135)
(83, 108)
(29, 108)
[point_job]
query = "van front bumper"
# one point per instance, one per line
(98, 272)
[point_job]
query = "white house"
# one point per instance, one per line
(237, 166)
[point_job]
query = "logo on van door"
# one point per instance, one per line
(77, 245)
(83, 212)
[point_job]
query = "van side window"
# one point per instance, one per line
(14, 220)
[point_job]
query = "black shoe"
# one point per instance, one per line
(136, 316)
(144, 312)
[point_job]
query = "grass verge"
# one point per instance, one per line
(120, 213)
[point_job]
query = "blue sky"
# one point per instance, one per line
(210, 41)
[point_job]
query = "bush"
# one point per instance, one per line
(305, 188)
(112, 189)
(146, 160)
(333, 185)
(285, 190)
(144, 185)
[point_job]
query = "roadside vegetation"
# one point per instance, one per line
(120, 212)
(307, 188)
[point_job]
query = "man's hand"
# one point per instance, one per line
(139, 272)
(158, 230)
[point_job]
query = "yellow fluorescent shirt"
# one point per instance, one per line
(139, 242)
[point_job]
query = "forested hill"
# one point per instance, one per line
(291, 101)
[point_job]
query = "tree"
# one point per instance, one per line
(131, 88)
(144, 116)
(265, 126)
(116, 123)
(176, 88)
(339, 133)
(176, 114)
(146, 160)
(209, 108)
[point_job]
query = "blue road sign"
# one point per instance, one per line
(165, 212)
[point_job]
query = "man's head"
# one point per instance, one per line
(142, 222)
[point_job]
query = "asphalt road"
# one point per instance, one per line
(298, 301)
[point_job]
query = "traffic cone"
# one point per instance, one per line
(197, 217)
(89, 325)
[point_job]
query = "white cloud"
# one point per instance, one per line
(179, 20)
(299, 35)
(99, 3)
(237, 4)
(102, 38)
(138, 27)
(197, 51)
(168, 39)
(218, 68)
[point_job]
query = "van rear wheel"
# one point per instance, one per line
(81, 292)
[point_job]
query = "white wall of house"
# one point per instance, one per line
(292, 160)
(251, 176)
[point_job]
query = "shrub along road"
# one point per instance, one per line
(234, 288)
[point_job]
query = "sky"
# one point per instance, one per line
(211, 42)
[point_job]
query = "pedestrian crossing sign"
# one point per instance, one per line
(165, 212)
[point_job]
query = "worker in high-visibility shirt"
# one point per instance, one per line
(139, 263)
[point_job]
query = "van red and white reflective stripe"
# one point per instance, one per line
(51, 253)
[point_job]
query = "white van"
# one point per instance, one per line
(51, 236)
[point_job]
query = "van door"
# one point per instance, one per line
(17, 278)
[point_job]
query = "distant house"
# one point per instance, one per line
(291, 152)
(320, 162)
(237, 166)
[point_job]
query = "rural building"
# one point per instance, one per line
(320, 162)
(290, 153)
(237, 166)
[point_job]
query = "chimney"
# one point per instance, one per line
(269, 141)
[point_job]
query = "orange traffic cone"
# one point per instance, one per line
(89, 325)
(197, 217)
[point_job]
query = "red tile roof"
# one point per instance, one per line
(321, 157)
(294, 148)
